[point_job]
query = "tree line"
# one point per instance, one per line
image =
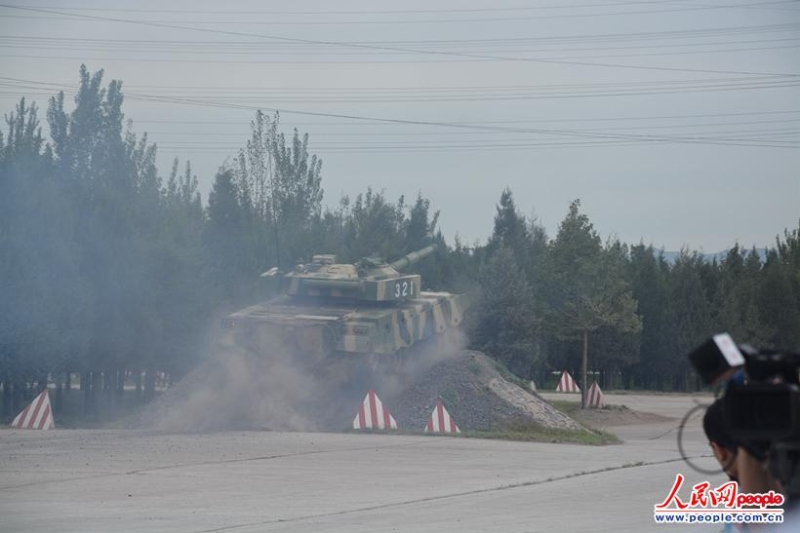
(548, 305)
(112, 271)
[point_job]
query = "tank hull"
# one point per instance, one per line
(317, 328)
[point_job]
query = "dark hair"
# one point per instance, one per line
(714, 426)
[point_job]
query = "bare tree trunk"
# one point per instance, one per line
(120, 384)
(109, 398)
(149, 383)
(58, 405)
(16, 397)
(97, 387)
(6, 396)
(86, 387)
(138, 373)
(584, 368)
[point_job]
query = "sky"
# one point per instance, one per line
(675, 122)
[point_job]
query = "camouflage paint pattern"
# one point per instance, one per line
(364, 308)
(318, 328)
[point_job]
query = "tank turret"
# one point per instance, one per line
(368, 280)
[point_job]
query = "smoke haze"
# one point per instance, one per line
(241, 389)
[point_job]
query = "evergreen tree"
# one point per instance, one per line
(180, 275)
(692, 315)
(736, 304)
(617, 341)
(511, 231)
(231, 258)
(504, 321)
(420, 230)
(650, 276)
(526, 241)
(586, 290)
(374, 226)
(779, 299)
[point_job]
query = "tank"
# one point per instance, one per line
(328, 310)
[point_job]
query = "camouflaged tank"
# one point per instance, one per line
(329, 310)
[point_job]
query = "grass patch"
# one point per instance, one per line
(567, 407)
(527, 432)
(532, 432)
(506, 374)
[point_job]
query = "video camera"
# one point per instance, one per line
(761, 401)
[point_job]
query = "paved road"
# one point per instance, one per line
(242, 482)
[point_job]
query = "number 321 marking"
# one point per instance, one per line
(404, 288)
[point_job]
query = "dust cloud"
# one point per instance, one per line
(390, 381)
(241, 389)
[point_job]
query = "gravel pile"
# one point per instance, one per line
(242, 391)
(477, 397)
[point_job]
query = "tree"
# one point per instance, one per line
(587, 291)
(282, 186)
(420, 225)
(420, 230)
(37, 265)
(98, 163)
(617, 341)
(736, 302)
(86, 210)
(692, 316)
(511, 231)
(231, 249)
(649, 276)
(180, 275)
(781, 297)
(135, 244)
(527, 242)
(504, 321)
(374, 226)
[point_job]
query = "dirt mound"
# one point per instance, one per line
(244, 391)
(476, 395)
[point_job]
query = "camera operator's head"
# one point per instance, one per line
(722, 444)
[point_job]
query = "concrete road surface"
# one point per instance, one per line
(103, 481)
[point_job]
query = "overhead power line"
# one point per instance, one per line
(401, 49)
(212, 53)
(256, 96)
(593, 13)
(519, 121)
(594, 38)
(564, 133)
(246, 47)
(559, 6)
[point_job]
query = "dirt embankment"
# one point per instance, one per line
(476, 395)
(241, 391)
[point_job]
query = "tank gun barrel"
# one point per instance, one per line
(413, 257)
